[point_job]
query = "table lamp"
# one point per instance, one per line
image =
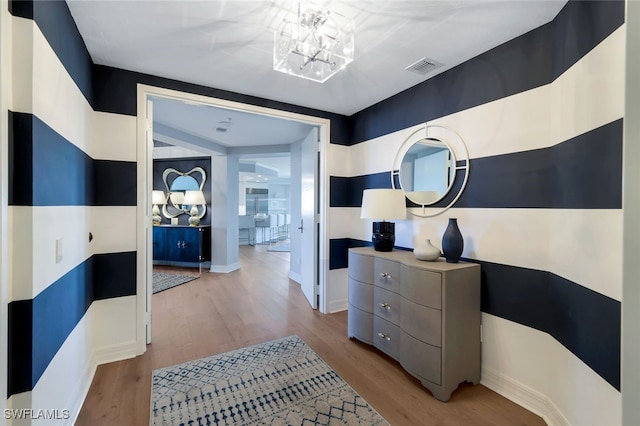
(382, 205)
(194, 199)
(157, 198)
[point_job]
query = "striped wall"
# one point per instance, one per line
(542, 116)
(71, 184)
(536, 130)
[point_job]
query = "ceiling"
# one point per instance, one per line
(228, 44)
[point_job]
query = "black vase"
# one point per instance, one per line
(452, 242)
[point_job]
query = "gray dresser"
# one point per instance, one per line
(425, 315)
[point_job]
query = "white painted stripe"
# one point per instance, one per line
(573, 385)
(57, 101)
(113, 229)
(548, 115)
(338, 160)
(44, 88)
(591, 93)
(21, 98)
(377, 155)
(583, 246)
(64, 383)
(113, 137)
(337, 290)
(340, 222)
(537, 361)
(114, 324)
(36, 230)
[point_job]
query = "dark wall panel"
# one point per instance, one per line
(114, 275)
(20, 347)
(115, 90)
(47, 170)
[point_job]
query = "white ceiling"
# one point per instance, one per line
(228, 44)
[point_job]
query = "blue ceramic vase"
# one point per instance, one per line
(452, 242)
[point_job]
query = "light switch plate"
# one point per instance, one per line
(59, 250)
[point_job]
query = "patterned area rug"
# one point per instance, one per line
(281, 382)
(163, 281)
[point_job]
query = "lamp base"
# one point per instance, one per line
(384, 236)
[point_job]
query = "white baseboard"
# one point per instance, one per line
(114, 353)
(225, 269)
(337, 305)
(524, 396)
(76, 401)
(295, 277)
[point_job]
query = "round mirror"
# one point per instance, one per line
(427, 171)
(431, 167)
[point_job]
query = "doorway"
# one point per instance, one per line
(145, 165)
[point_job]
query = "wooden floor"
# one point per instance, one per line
(220, 312)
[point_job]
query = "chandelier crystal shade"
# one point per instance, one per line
(314, 44)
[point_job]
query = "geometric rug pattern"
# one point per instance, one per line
(280, 382)
(163, 281)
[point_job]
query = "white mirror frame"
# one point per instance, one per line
(179, 211)
(455, 143)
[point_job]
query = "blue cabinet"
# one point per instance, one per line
(181, 245)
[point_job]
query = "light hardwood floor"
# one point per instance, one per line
(221, 312)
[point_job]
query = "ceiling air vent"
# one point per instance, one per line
(423, 66)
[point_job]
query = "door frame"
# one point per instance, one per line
(144, 152)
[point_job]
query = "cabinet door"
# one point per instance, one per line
(159, 243)
(183, 244)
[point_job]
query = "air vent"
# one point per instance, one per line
(424, 66)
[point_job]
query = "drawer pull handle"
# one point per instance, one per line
(385, 306)
(385, 275)
(384, 336)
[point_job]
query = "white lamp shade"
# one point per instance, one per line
(194, 198)
(158, 197)
(383, 204)
(177, 198)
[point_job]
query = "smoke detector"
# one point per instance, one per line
(223, 125)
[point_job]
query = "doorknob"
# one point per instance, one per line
(301, 227)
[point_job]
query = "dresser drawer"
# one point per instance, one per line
(361, 267)
(423, 287)
(360, 324)
(387, 274)
(361, 295)
(386, 337)
(420, 359)
(421, 322)
(386, 304)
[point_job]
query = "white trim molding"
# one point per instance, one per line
(524, 396)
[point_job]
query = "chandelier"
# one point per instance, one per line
(315, 44)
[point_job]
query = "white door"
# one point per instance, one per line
(308, 213)
(148, 228)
